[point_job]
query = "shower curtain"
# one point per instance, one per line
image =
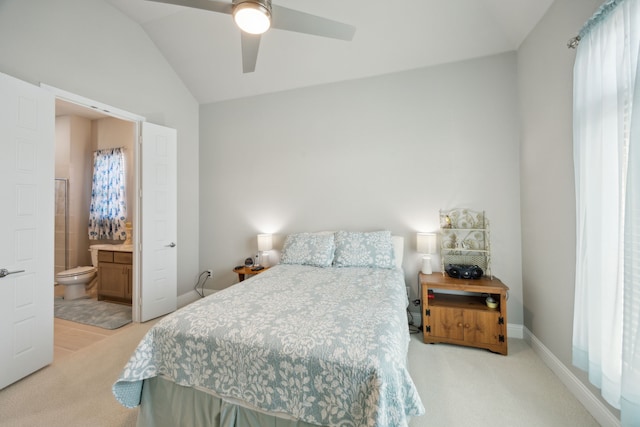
(108, 210)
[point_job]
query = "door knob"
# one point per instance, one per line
(171, 245)
(4, 272)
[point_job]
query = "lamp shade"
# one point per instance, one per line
(253, 16)
(426, 243)
(265, 242)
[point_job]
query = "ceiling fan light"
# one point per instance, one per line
(252, 18)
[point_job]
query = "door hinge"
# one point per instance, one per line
(500, 320)
(427, 312)
(427, 329)
(501, 338)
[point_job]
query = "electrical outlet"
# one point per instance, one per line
(209, 273)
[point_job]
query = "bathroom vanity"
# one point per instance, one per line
(115, 275)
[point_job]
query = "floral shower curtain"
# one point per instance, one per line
(108, 210)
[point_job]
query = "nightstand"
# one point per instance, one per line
(454, 311)
(242, 271)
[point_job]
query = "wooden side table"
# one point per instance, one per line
(247, 271)
(465, 319)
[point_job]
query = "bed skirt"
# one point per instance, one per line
(174, 405)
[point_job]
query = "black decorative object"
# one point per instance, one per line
(459, 271)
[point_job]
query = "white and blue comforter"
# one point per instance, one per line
(324, 345)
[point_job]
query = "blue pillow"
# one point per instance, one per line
(356, 249)
(314, 249)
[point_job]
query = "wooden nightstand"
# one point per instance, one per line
(464, 319)
(242, 271)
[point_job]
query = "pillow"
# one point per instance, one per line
(355, 249)
(309, 249)
(398, 249)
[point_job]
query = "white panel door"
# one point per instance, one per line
(27, 132)
(159, 272)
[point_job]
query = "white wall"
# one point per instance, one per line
(73, 148)
(380, 153)
(545, 84)
(89, 48)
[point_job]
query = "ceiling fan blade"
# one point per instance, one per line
(250, 45)
(211, 5)
(284, 18)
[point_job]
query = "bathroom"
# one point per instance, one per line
(78, 133)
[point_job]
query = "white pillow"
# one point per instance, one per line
(398, 249)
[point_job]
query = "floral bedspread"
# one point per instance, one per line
(324, 345)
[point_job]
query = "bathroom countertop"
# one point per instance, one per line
(115, 248)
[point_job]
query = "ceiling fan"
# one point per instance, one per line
(254, 17)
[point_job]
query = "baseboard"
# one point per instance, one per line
(193, 296)
(596, 408)
(515, 331)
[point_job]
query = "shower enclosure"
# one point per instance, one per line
(61, 242)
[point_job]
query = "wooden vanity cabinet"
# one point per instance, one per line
(115, 276)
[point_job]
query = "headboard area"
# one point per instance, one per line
(379, 249)
(398, 249)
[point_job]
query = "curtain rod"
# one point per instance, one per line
(602, 12)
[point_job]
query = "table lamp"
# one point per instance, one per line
(265, 244)
(426, 245)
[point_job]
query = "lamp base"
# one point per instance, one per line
(264, 259)
(426, 265)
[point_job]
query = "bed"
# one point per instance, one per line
(320, 339)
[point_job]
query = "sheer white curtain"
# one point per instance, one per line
(606, 340)
(630, 400)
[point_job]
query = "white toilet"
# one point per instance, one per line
(77, 281)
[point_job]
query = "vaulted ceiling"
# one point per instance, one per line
(204, 47)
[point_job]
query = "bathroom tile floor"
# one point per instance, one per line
(69, 337)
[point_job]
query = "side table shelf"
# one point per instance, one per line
(458, 314)
(247, 271)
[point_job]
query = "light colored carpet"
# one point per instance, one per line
(462, 386)
(459, 386)
(92, 312)
(75, 391)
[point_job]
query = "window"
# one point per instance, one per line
(606, 337)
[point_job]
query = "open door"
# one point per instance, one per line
(27, 132)
(158, 224)
(155, 218)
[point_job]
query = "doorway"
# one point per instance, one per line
(27, 126)
(80, 132)
(154, 235)
(70, 104)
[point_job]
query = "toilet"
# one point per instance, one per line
(77, 281)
